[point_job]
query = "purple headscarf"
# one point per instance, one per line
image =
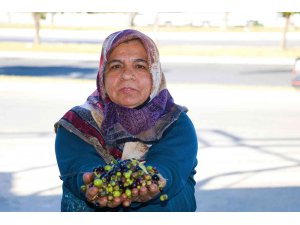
(108, 126)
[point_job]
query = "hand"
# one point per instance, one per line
(143, 194)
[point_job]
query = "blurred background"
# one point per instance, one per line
(236, 72)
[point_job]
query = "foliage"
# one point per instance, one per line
(41, 15)
(288, 14)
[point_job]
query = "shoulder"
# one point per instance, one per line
(64, 136)
(183, 124)
(184, 120)
(182, 130)
(63, 132)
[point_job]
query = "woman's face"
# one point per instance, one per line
(127, 79)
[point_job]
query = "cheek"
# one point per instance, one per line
(108, 84)
(149, 85)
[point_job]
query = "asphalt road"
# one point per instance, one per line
(247, 120)
(202, 73)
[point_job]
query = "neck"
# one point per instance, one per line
(143, 104)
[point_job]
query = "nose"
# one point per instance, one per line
(128, 74)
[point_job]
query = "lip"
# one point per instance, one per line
(127, 89)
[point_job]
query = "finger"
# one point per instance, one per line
(143, 195)
(145, 198)
(143, 191)
(153, 189)
(114, 202)
(134, 192)
(110, 204)
(123, 197)
(117, 201)
(162, 181)
(91, 194)
(102, 201)
(126, 203)
(88, 178)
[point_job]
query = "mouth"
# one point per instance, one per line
(127, 89)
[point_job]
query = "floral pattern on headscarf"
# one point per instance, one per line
(108, 126)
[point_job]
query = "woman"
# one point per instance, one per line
(130, 115)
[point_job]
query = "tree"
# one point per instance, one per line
(37, 17)
(225, 21)
(287, 16)
(132, 16)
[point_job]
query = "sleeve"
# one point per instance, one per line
(175, 155)
(74, 157)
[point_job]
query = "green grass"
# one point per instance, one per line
(165, 50)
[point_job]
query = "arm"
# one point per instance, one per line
(74, 157)
(175, 155)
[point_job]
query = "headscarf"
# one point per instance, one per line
(108, 126)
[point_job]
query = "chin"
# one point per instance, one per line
(129, 104)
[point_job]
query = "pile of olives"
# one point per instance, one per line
(121, 180)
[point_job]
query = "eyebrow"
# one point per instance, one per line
(120, 61)
(141, 60)
(114, 61)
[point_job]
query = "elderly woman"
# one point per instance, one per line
(131, 115)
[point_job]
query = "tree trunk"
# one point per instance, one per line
(284, 33)
(156, 22)
(155, 27)
(132, 16)
(37, 18)
(52, 18)
(225, 21)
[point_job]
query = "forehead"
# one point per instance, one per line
(129, 47)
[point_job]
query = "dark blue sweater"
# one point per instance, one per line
(174, 156)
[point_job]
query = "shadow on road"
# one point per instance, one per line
(282, 199)
(236, 141)
(224, 198)
(53, 71)
(35, 202)
(271, 72)
(266, 199)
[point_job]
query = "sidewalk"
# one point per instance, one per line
(164, 59)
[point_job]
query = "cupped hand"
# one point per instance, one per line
(143, 194)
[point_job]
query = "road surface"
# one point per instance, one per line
(176, 72)
(248, 134)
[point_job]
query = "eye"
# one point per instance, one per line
(115, 67)
(140, 66)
